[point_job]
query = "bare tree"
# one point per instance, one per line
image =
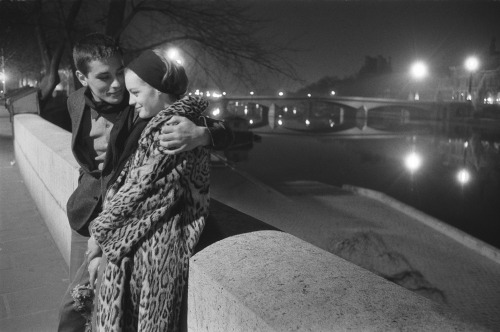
(42, 24)
(52, 62)
(17, 40)
(219, 37)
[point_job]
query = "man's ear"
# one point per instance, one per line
(81, 77)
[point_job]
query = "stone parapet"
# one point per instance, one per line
(273, 281)
(43, 154)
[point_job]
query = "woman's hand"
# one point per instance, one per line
(93, 249)
(93, 270)
(93, 256)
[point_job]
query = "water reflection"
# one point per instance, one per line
(312, 116)
(243, 138)
(314, 140)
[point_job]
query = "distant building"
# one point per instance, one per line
(484, 83)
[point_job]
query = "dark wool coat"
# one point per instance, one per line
(86, 201)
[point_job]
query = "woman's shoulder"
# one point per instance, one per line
(189, 106)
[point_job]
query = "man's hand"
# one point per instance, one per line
(180, 134)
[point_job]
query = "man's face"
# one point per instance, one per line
(105, 79)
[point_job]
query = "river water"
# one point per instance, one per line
(329, 147)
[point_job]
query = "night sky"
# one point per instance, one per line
(335, 36)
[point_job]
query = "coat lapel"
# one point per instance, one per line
(76, 106)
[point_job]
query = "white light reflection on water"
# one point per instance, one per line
(371, 159)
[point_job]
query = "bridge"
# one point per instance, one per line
(335, 114)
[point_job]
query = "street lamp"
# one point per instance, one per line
(174, 55)
(418, 72)
(471, 64)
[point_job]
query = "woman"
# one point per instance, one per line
(154, 212)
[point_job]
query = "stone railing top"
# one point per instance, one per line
(291, 285)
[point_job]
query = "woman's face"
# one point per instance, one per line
(147, 100)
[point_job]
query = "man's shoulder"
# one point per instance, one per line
(79, 92)
(77, 96)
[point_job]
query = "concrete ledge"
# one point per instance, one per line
(467, 240)
(50, 172)
(273, 281)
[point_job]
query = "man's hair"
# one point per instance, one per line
(95, 46)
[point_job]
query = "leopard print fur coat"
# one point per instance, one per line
(152, 219)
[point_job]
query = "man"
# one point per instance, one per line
(105, 131)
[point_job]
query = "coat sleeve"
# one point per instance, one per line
(149, 195)
(221, 135)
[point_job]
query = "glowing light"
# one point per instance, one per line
(308, 122)
(466, 144)
(223, 93)
(250, 121)
(471, 63)
(463, 176)
(332, 93)
(309, 95)
(294, 110)
(208, 93)
(413, 162)
(216, 111)
(418, 70)
(280, 122)
(280, 93)
(285, 109)
(174, 55)
(251, 93)
(197, 92)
